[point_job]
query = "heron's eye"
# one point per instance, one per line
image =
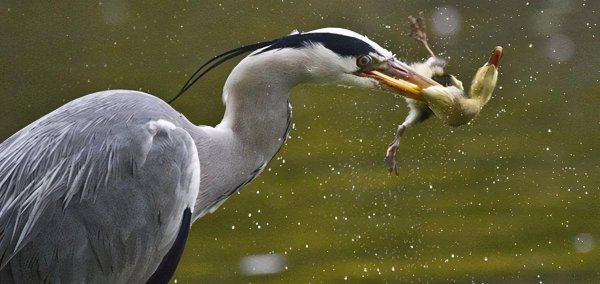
(363, 61)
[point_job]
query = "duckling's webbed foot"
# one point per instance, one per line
(417, 31)
(434, 66)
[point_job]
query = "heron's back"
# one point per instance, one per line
(95, 191)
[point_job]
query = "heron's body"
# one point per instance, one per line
(133, 152)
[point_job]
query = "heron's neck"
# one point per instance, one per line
(254, 127)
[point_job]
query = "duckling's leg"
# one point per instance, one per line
(417, 31)
(434, 66)
(419, 112)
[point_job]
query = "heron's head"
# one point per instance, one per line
(329, 56)
(339, 56)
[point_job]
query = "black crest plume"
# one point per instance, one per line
(216, 61)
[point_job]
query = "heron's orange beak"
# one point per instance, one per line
(399, 76)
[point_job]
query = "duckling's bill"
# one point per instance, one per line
(495, 57)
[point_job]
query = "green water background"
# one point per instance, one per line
(511, 198)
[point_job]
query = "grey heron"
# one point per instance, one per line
(105, 188)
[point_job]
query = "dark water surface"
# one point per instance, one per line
(513, 197)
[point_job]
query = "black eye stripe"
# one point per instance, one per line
(340, 44)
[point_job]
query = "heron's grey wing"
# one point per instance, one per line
(75, 158)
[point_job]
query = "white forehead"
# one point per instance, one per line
(386, 53)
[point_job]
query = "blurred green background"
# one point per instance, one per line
(511, 198)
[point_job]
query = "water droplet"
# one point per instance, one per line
(446, 20)
(584, 243)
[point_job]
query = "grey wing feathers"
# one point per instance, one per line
(67, 156)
